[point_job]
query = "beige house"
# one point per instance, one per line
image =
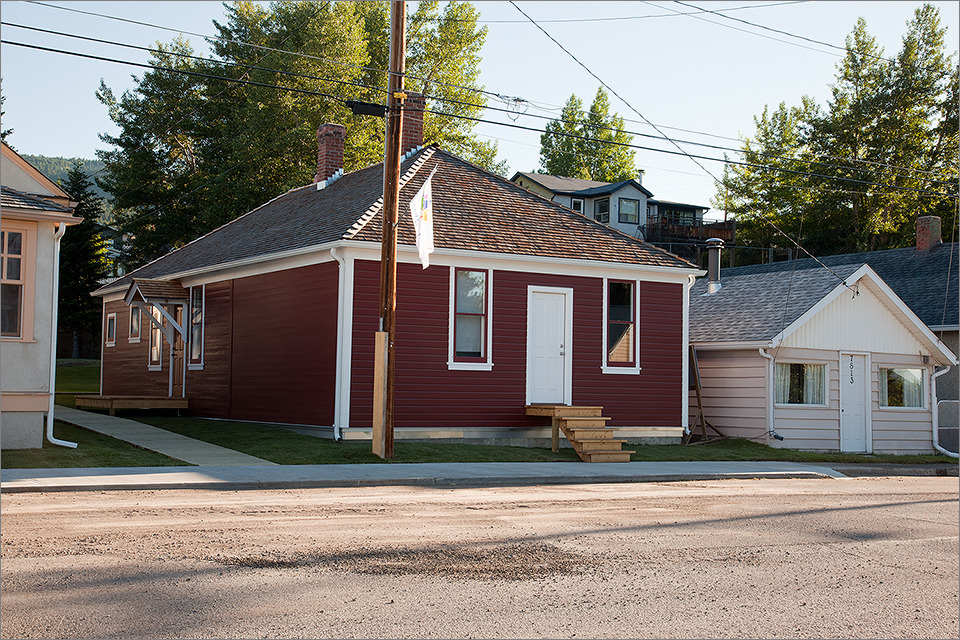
(814, 357)
(35, 214)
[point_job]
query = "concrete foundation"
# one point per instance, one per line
(21, 430)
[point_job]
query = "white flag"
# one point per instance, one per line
(421, 209)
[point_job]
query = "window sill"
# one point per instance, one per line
(911, 409)
(22, 340)
(197, 366)
(133, 340)
(110, 344)
(623, 371)
(470, 366)
(154, 367)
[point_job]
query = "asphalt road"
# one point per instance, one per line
(825, 558)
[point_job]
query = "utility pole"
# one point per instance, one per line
(385, 359)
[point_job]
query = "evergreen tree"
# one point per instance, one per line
(591, 146)
(195, 151)
(83, 262)
(883, 152)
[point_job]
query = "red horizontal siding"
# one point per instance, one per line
(284, 347)
(209, 389)
(428, 395)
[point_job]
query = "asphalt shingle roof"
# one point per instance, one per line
(14, 199)
(750, 304)
(473, 210)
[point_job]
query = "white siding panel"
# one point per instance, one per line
(734, 392)
(856, 323)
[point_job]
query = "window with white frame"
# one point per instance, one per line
(601, 210)
(629, 211)
(901, 387)
(800, 383)
(12, 248)
(621, 309)
(196, 325)
(470, 316)
(156, 340)
(134, 324)
(110, 334)
(577, 205)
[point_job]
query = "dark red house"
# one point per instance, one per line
(272, 316)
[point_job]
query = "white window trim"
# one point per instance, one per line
(135, 339)
(804, 405)
(106, 330)
(636, 368)
(924, 392)
(574, 201)
(452, 364)
(150, 366)
(197, 366)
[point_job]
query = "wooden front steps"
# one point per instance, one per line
(586, 429)
(112, 403)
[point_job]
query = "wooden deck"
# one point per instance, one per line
(112, 403)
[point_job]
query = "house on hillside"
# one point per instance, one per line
(272, 317)
(35, 215)
(629, 207)
(816, 356)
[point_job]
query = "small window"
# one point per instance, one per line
(577, 205)
(111, 331)
(601, 210)
(196, 325)
(134, 324)
(901, 388)
(621, 325)
(798, 383)
(156, 340)
(11, 291)
(470, 322)
(629, 211)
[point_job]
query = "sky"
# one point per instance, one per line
(691, 72)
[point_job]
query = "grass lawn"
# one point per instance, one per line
(93, 450)
(286, 447)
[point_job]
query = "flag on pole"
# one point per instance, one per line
(421, 209)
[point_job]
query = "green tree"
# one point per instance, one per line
(83, 262)
(196, 151)
(870, 163)
(591, 146)
(3, 132)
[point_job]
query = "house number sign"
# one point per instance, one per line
(851, 370)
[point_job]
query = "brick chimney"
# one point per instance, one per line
(330, 138)
(412, 131)
(928, 232)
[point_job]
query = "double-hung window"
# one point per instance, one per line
(800, 383)
(196, 326)
(901, 388)
(156, 341)
(601, 210)
(134, 324)
(111, 331)
(577, 204)
(629, 211)
(621, 327)
(470, 326)
(12, 246)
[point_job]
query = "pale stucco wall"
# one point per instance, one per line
(26, 365)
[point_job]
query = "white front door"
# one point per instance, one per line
(549, 350)
(854, 403)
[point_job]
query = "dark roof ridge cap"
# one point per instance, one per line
(368, 215)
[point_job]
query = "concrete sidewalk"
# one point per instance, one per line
(395, 474)
(160, 440)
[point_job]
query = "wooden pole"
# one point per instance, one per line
(391, 202)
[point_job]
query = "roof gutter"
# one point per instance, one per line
(61, 229)
(935, 410)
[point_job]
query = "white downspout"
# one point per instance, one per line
(685, 404)
(771, 431)
(54, 309)
(338, 385)
(935, 410)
